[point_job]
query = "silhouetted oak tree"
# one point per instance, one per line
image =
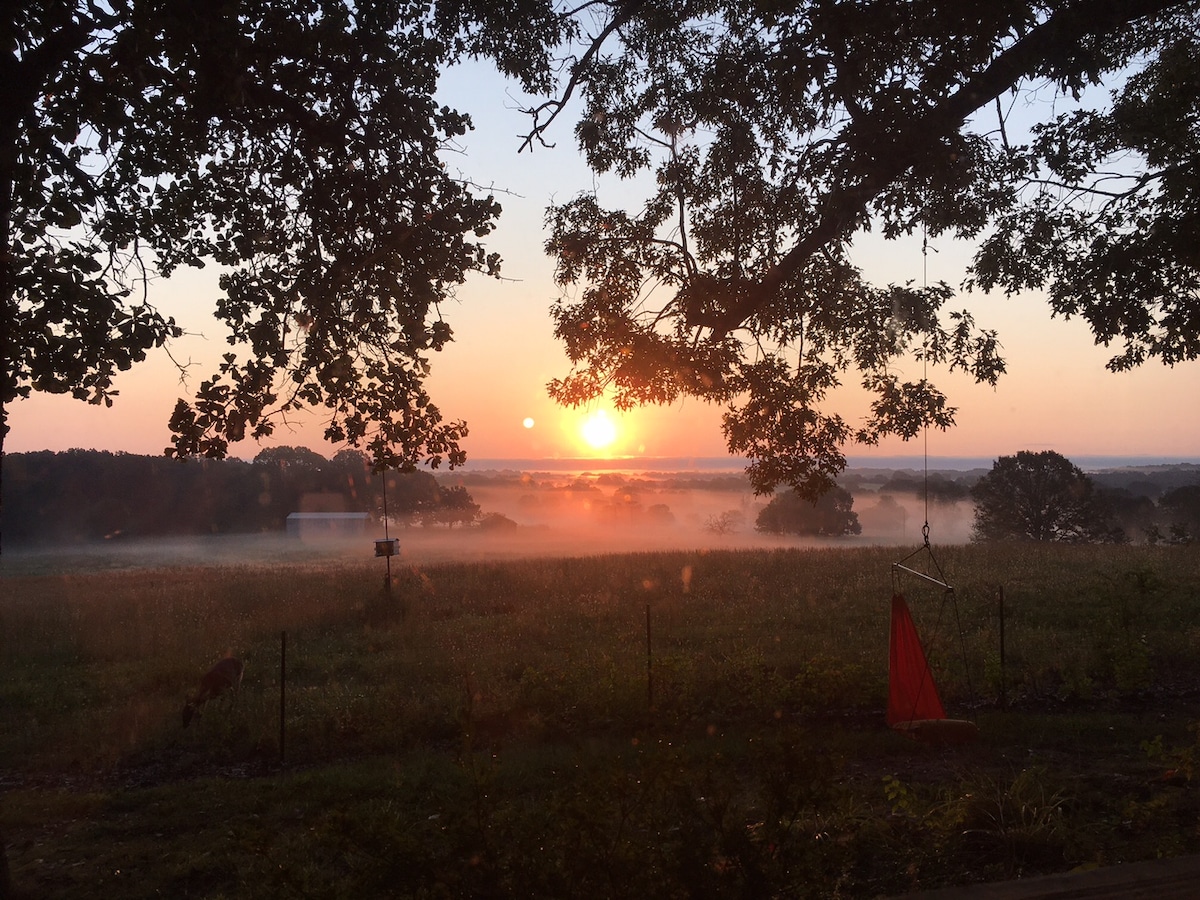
(1181, 507)
(789, 512)
(1038, 497)
(777, 133)
(295, 146)
(455, 507)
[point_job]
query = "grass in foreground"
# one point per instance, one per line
(501, 729)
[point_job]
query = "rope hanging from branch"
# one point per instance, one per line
(914, 706)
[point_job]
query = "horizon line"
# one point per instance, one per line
(733, 463)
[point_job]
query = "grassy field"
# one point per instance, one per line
(648, 725)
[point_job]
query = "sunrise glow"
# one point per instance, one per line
(598, 430)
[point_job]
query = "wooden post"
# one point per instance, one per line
(6, 891)
(282, 696)
(1003, 697)
(387, 580)
(649, 664)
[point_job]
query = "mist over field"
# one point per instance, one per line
(520, 508)
(544, 514)
(601, 513)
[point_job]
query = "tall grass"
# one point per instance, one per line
(531, 723)
(564, 640)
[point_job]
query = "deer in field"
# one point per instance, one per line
(225, 676)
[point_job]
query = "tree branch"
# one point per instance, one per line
(578, 69)
(846, 204)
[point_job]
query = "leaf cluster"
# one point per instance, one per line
(298, 147)
(831, 514)
(1038, 496)
(777, 134)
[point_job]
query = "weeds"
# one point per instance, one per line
(503, 737)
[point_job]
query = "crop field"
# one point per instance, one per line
(667, 724)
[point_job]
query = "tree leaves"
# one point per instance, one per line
(829, 515)
(1038, 496)
(776, 134)
(295, 144)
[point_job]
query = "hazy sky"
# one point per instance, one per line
(1057, 394)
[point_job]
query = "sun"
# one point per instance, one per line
(598, 430)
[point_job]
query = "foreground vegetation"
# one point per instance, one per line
(676, 724)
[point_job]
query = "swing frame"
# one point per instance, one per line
(945, 731)
(902, 566)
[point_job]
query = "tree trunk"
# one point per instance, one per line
(22, 81)
(11, 114)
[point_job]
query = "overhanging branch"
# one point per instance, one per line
(578, 70)
(847, 204)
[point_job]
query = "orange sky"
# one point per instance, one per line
(1057, 394)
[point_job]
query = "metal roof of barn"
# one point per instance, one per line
(319, 515)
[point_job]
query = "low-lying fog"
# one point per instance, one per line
(548, 514)
(611, 513)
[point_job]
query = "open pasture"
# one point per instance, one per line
(658, 724)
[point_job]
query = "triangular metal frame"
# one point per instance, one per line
(948, 594)
(902, 566)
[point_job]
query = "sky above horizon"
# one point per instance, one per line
(1057, 395)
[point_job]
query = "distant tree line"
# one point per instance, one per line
(1032, 496)
(92, 495)
(940, 487)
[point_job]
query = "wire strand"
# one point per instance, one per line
(925, 376)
